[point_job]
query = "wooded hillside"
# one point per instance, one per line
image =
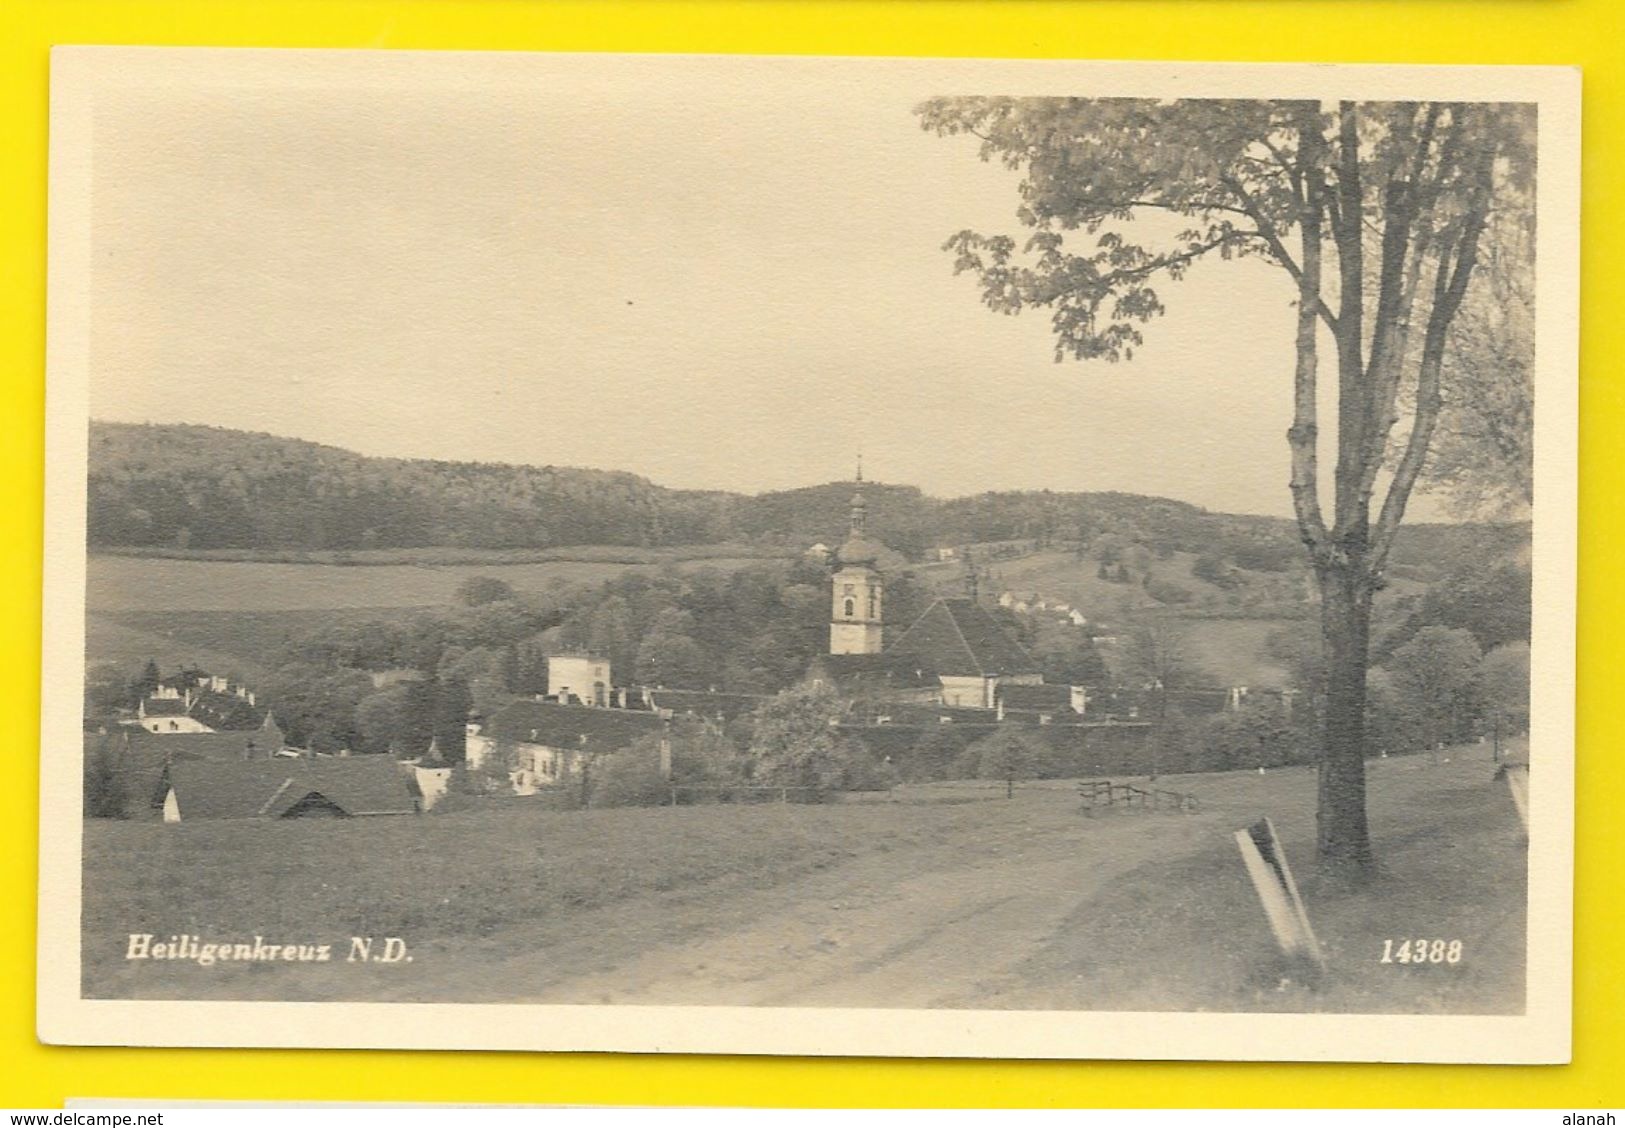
(189, 488)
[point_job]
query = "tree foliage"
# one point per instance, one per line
(1376, 214)
(1438, 671)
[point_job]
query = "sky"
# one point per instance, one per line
(712, 284)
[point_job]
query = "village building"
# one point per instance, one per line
(1046, 704)
(349, 787)
(583, 678)
(209, 705)
(544, 744)
(432, 780)
(162, 713)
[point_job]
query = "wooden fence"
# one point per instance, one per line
(1105, 793)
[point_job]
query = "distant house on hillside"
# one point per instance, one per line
(350, 787)
(544, 743)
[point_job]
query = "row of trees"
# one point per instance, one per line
(1440, 687)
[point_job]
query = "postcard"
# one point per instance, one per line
(809, 555)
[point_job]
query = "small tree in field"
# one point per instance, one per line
(1374, 212)
(1008, 755)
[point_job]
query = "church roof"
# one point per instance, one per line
(960, 638)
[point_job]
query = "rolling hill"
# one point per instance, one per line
(187, 489)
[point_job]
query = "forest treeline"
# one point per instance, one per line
(185, 488)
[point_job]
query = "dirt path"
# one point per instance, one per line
(919, 928)
(1004, 904)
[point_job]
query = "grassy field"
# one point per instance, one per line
(240, 643)
(985, 902)
(230, 616)
(135, 583)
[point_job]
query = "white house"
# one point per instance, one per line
(545, 743)
(583, 676)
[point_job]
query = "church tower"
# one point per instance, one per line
(855, 605)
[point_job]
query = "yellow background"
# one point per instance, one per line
(1587, 33)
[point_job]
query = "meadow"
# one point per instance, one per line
(119, 583)
(234, 615)
(846, 904)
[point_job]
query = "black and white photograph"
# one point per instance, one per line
(796, 555)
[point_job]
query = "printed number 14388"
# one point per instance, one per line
(1421, 951)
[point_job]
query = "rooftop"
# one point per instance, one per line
(961, 638)
(581, 727)
(356, 785)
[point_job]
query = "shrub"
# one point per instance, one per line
(1259, 734)
(933, 756)
(1167, 591)
(476, 591)
(862, 770)
(628, 778)
(1008, 753)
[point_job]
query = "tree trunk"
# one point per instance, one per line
(1344, 841)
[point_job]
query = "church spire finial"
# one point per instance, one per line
(859, 478)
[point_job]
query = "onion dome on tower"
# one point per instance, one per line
(858, 548)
